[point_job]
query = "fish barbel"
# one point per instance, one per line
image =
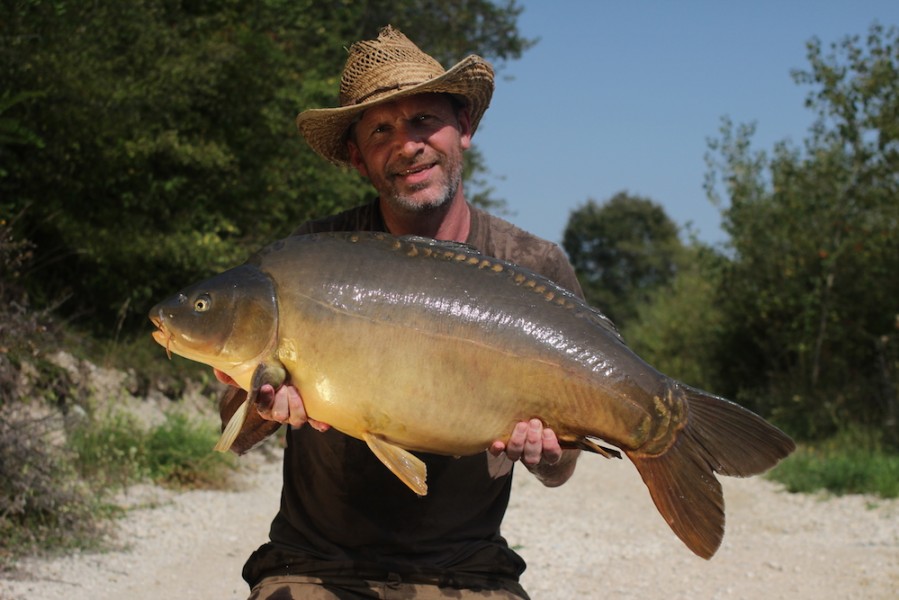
(411, 344)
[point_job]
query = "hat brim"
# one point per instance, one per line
(325, 129)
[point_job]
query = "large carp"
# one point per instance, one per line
(414, 344)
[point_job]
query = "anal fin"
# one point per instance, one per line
(582, 443)
(402, 463)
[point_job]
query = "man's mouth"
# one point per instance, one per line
(413, 170)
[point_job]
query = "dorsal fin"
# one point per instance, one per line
(445, 244)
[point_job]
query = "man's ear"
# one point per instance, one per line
(356, 158)
(464, 127)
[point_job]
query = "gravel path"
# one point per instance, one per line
(599, 535)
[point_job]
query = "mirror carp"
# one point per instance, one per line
(412, 344)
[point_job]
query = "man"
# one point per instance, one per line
(347, 528)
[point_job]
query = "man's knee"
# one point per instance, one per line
(290, 587)
(298, 587)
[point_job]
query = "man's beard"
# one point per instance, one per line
(408, 203)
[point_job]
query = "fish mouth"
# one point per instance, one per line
(162, 336)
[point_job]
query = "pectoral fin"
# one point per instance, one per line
(233, 427)
(271, 373)
(402, 463)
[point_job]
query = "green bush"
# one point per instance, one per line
(179, 452)
(43, 503)
(108, 450)
(114, 451)
(852, 462)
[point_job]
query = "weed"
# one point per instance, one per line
(115, 451)
(178, 452)
(109, 450)
(852, 462)
(43, 503)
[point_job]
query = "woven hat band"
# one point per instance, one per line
(377, 93)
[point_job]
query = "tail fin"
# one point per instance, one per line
(720, 437)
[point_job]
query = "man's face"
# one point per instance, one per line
(411, 151)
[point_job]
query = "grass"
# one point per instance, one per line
(854, 461)
(115, 451)
(179, 453)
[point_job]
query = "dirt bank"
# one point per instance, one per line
(597, 536)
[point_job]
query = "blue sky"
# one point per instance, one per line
(623, 96)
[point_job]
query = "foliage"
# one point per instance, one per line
(153, 142)
(178, 454)
(59, 463)
(55, 495)
(106, 450)
(115, 450)
(143, 145)
(42, 501)
(852, 462)
(622, 251)
(11, 129)
(810, 294)
(679, 327)
(24, 332)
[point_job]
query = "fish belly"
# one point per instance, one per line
(433, 390)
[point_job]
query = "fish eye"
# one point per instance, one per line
(202, 303)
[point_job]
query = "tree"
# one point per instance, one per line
(622, 251)
(678, 329)
(811, 291)
(169, 145)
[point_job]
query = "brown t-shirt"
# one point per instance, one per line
(344, 514)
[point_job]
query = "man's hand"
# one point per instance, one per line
(530, 443)
(283, 405)
(537, 447)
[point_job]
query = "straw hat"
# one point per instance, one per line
(385, 69)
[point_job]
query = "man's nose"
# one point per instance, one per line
(409, 140)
